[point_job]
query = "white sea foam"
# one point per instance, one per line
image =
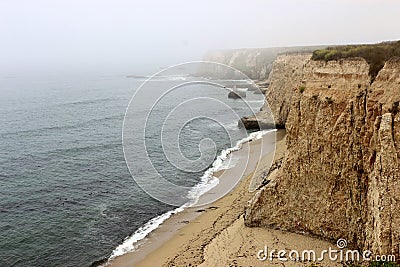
(159, 78)
(208, 181)
(169, 77)
(227, 164)
(256, 101)
(231, 126)
(129, 243)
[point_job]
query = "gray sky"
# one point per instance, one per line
(127, 36)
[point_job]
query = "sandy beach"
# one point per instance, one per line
(215, 234)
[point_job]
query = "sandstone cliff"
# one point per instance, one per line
(256, 63)
(340, 177)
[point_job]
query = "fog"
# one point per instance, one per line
(122, 36)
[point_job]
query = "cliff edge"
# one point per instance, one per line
(256, 63)
(340, 177)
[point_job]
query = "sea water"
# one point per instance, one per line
(66, 195)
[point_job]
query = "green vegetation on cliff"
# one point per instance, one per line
(376, 54)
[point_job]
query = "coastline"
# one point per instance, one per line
(191, 237)
(247, 159)
(215, 235)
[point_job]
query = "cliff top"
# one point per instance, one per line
(375, 54)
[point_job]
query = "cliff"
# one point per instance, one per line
(256, 63)
(286, 76)
(340, 177)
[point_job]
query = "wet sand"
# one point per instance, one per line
(214, 234)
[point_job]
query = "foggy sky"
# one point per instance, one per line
(129, 36)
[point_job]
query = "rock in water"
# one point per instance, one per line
(237, 94)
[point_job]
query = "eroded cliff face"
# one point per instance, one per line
(340, 177)
(285, 77)
(280, 91)
(255, 63)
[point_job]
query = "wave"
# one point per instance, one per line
(161, 78)
(232, 126)
(77, 125)
(46, 155)
(208, 181)
(64, 105)
(129, 243)
(255, 101)
(89, 101)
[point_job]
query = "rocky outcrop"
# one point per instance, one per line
(256, 63)
(286, 76)
(280, 92)
(340, 177)
(236, 94)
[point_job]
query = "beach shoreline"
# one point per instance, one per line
(215, 234)
(255, 154)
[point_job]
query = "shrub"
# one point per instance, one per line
(376, 55)
(302, 88)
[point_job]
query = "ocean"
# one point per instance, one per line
(67, 197)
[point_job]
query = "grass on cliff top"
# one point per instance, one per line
(376, 54)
